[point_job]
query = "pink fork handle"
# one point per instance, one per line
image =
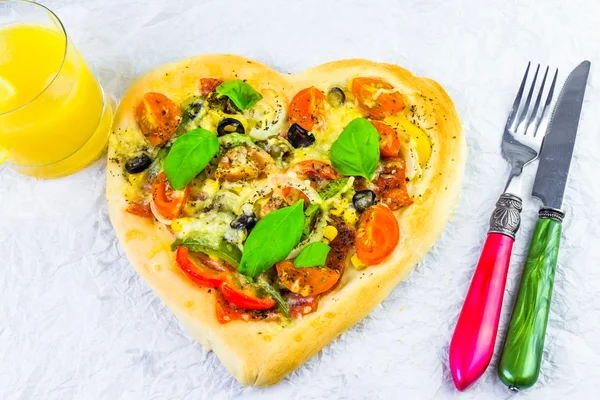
(473, 342)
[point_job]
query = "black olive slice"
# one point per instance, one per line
(336, 97)
(138, 164)
(194, 108)
(300, 137)
(230, 125)
(244, 221)
(363, 200)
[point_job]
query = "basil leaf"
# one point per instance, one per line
(332, 188)
(313, 255)
(242, 94)
(189, 155)
(310, 214)
(356, 150)
(272, 239)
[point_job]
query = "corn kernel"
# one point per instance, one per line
(325, 240)
(176, 226)
(336, 211)
(356, 263)
(350, 216)
(330, 232)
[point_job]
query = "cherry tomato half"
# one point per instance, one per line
(389, 143)
(202, 275)
(291, 195)
(377, 104)
(307, 108)
(158, 117)
(317, 280)
(306, 281)
(168, 202)
(245, 298)
(377, 235)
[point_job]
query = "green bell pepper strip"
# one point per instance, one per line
(225, 251)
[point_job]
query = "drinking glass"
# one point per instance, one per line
(54, 116)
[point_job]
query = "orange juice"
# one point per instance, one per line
(54, 118)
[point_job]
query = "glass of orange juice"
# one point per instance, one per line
(54, 116)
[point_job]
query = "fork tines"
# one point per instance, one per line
(522, 119)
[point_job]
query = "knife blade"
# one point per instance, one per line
(520, 362)
(557, 150)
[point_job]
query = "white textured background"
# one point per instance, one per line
(76, 322)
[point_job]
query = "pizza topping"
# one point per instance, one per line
(356, 150)
(313, 255)
(272, 239)
(310, 215)
(336, 97)
(219, 249)
(230, 125)
(221, 105)
(158, 117)
(208, 85)
(167, 201)
(316, 171)
(202, 273)
(307, 108)
(376, 97)
(335, 187)
(340, 248)
(300, 137)
(245, 298)
(291, 195)
(390, 184)
(363, 199)
(278, 148)
(138, 164)
(389, 144)
(194, 109)
(189, 155)
(242, 94)
(242, 163)
(377, 235)
(244, 221)
(320, 279)
(301, 305)
(306, 281)
(140, 208)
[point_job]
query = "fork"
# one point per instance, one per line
(474, 337)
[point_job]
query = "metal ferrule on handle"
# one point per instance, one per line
(473, 342)
(521, 358)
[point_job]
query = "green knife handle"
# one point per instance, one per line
(521, 358)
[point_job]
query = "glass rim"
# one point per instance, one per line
(64, 57)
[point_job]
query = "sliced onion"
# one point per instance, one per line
(411, 158)
(159, 216)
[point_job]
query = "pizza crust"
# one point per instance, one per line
(262, 353)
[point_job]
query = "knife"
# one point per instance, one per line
(521, 357)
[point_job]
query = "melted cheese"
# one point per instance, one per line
(327, 133)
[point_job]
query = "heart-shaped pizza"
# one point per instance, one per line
(271, 212)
